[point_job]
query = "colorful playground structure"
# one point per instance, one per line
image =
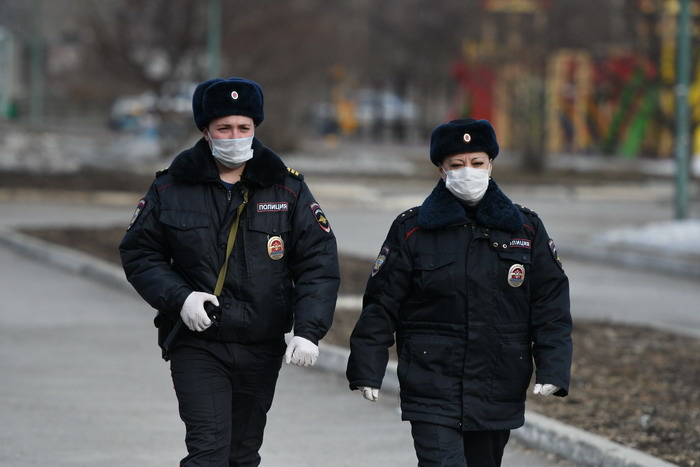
(617, 102)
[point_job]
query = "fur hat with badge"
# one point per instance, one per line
(464, 135)
(221, 97)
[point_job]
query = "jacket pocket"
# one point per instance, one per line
(185, 229)
(513, 369)
(269, 223)
(184, 220)
(430, 368)
(434, 274)
(189, 235)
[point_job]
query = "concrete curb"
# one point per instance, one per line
(539, 432)
(66, 259)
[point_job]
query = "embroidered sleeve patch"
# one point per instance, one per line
(137, 212)
(381, 260)
(555, 254)
(320, 217)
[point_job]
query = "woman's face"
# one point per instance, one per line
(477, 160)
(230, 127)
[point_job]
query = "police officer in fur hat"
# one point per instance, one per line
(471, 289)
(232, 249)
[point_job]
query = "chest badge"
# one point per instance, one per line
(516, 275)
(275, 248)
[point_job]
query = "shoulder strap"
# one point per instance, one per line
(229, 245)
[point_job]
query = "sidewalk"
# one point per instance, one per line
(83, 383)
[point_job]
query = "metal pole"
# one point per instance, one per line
(6, 72)
(682, 110)
(214, 38)
(36, 97)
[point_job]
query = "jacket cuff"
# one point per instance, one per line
(176, 300)
(563, 385)
(354, 385)
(309, 337)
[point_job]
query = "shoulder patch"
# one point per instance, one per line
(407, 214)
(295, 173)
(320, 217)
(555, 253)
(139, 209)
(526, 210)
(161, 172)
(381, 259)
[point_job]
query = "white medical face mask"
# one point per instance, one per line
(468, 183)
(232, 153)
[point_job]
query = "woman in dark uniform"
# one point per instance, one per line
(232, 249)
(471, 288)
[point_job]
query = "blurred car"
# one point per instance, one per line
(142, 112)
(385, 107)
(374, 110)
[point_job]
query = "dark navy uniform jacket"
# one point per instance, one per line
(283, 270)
(472, 300)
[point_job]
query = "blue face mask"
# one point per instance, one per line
(232, 153)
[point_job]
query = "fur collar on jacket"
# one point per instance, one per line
(495, 211)
(196, 165)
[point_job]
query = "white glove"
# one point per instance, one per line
(301, 352)
(545, 389)
(371, 394)
(193, 314)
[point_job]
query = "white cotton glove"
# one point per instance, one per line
(545, 389)
(371, 394)
(193, 314)
(301, 352)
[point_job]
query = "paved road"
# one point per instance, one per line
(83, 385)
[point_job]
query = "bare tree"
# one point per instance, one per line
(286, 47)
(289, 47)
(145, 43)
(135, 46)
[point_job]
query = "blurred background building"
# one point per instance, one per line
(556, 78)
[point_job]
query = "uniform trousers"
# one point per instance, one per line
(441, 446)
(224, 392)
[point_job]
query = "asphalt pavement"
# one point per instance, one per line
(83, 384)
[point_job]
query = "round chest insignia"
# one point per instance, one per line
(516, 275)
(234, 95)
(275, 248)
(467, 137)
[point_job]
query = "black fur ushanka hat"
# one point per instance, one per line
(220, 97)
(462, 136)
